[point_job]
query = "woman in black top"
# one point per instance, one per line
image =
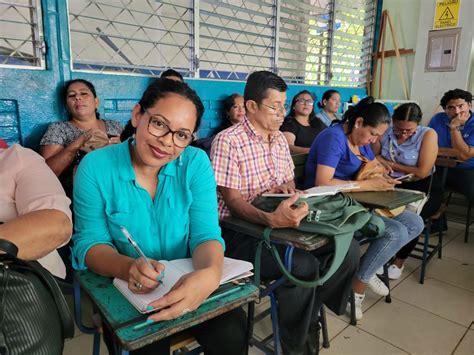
(301, 126)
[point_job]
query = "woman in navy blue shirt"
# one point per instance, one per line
(335, 158)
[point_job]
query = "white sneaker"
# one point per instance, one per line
(377, 286)
(358, 298)
(394, 272)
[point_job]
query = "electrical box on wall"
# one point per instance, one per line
(442, 52)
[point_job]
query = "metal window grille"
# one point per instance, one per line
(21, 34)
(322, 42)
(131, 36)
(303, 40)
(236, 38)
(351, 42)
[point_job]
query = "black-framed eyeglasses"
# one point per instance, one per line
(305, 102)
(158, 128)
(279, 108)
(404, 131)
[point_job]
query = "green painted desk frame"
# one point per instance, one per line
(121, 316)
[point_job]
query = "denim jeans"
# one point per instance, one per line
(398, 231)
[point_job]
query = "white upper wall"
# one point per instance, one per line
(428, 87)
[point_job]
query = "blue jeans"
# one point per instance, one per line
(398, 232)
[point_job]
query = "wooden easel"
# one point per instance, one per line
(381, 53)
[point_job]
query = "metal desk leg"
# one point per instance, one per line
(250, 315)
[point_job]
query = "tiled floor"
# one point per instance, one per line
(434, 318)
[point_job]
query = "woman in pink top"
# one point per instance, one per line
(31, 194)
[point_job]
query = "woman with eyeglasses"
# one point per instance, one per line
(409, 148)
(329, 105)
(301, 126)
(335, 158)
(164, 193)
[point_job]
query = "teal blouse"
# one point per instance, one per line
(107, 196)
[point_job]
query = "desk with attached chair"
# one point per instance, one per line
(121, 317)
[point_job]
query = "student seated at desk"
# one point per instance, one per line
(164, 193)
(301, 125)
(250, 159)
(410, 148)
(33, 208)
(234, 112)
(329, 105)
(335, 158)
(455, 128)
(64, 143)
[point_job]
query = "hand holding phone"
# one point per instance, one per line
(404, 177)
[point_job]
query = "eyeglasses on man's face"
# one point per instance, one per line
(158, 128)
(305, 102)
(277, 108)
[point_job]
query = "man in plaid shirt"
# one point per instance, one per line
(249, 159)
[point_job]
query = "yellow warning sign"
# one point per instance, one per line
(446, 14)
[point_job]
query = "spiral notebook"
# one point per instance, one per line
(233, 270)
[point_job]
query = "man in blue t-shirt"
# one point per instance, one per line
(455, 128)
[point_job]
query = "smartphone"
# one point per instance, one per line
(404, 177)
(396, 174)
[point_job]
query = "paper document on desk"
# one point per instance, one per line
(233, 269)
(318, 191)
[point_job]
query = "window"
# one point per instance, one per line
(322, 42)
(235, 38)
(21, 39)
(351, 46)
(304, 38)
(131, 36)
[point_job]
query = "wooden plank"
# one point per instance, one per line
(391, 53)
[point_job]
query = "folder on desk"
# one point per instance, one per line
(233, 269)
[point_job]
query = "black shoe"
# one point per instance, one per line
(312, 340)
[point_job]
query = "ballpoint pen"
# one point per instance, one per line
(140, 252)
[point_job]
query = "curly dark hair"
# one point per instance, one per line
(453, 95)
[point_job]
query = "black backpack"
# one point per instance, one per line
(34, 315)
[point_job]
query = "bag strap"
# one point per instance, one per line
(342, 244)
(9, 248)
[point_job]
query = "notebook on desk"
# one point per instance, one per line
(233, 269)
(318, 191)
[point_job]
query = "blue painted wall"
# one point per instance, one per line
(30, 100)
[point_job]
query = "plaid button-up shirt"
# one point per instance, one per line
(243, 160)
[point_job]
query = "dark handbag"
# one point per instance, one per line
(34, 315)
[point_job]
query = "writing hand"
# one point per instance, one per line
(140, 273)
